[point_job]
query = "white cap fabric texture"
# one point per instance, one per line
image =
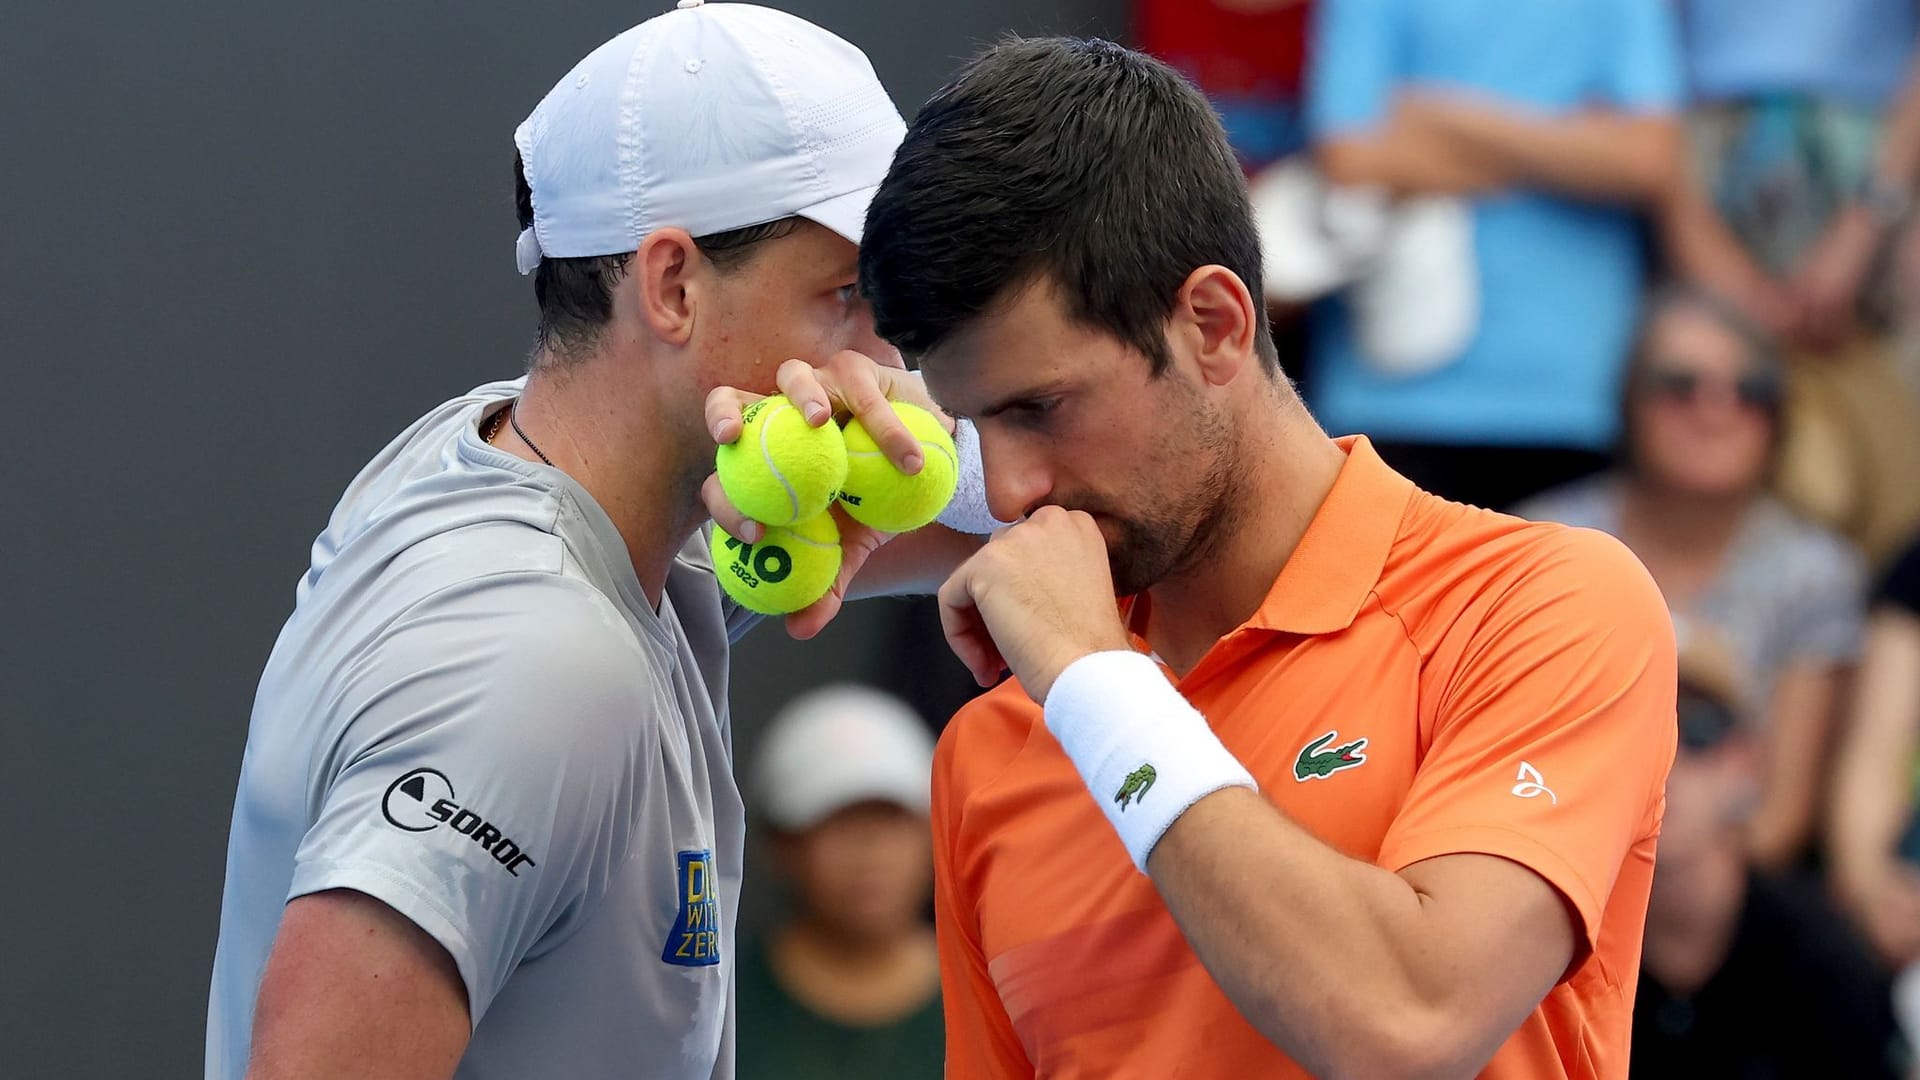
(710, 117)
(837, 746)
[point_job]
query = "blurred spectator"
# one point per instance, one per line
(1702, 421)
(1247, 56)
(1742, 975)
(1555, 120)
(848, 987)
(1806, 146)
(1875, 839)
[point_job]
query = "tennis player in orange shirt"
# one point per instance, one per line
(1355, 781)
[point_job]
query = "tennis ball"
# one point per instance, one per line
(781, 470)
(880, 496)
(787, 570)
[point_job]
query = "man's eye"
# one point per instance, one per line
(848, 294)
(1035, 411)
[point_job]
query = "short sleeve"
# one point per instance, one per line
(1554, 726)
(1352, 66)
(1644, 73)
(1825, 604)
(1901, 587)
(482, 781)
(981, 1042)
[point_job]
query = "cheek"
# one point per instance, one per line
(1758, 440)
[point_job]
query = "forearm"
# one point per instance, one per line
(1438, 144)
(1700, 245)
(1872, 775)
(1348, 967)
(914, 564)
(1869, 807)
(1600, 155)
(1334, 960)
(1795, 760)
(1405, 165)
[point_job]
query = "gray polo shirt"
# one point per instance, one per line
(475, 716)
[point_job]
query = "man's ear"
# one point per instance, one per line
(1213, 318)
(666, 281)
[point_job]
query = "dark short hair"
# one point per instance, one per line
(576, 294)
(1074, 160)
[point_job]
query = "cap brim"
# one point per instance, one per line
(844, 214)
(798, 812)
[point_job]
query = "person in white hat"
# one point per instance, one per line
(486, 824)
(847, 986)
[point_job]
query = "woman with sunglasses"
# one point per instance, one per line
(1702, 428)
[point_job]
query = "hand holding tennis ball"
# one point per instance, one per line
(784, 473)
(879, 496)
(785, 570)
(781, 470)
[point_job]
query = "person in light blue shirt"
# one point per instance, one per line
(1556, 122)
(1855, 51)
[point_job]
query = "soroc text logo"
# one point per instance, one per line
(695, 938)
(422, 800)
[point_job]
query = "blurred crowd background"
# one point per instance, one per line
(1645, 266)
(1651, 267)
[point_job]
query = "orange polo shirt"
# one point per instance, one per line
(1513, 684)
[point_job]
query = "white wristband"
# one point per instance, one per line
(1144, 752)
(968, 512)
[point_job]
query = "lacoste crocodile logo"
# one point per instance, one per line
(1134, 787)
(1316, 762)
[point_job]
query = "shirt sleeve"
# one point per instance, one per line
(482, 782)
(1554, 726)
(1353, 67)
(981, 1042)
(1644, 74)
(1827, 608)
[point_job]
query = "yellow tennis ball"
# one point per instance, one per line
(787, 570)
(882, 497)
(781, 469)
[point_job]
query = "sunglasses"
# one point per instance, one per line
(1681, 386)
(1704, 720)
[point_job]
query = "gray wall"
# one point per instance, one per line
(245, 244)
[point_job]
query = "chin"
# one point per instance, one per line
(1720, 485)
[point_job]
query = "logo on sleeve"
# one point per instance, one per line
(1532, 785)
(1317, 761)
(695, 938)
(422, 800)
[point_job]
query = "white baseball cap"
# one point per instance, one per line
(710, 117)
(837, 746)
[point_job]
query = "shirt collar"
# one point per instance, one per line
(1340, 558)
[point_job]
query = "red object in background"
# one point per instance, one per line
(1250, 66)
(1226, 52)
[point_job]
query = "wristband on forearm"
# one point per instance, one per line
(1144, 752)
(968, 512)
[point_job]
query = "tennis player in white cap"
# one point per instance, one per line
(486, 823)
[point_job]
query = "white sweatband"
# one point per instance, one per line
(968, 512)
(1145, 753)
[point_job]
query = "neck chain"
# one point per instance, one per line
(492, 429)
(513, 418)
